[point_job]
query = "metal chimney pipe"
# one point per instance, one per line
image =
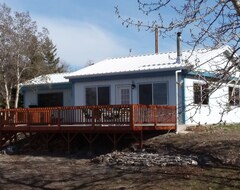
(156, 39)
(179, 47)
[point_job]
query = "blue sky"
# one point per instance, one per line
(90, 30)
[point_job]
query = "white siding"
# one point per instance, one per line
(211, 113)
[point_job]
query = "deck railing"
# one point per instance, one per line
(134, 117)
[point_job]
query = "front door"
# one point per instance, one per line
(123, 94)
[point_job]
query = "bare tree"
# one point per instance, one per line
(210, 24)
(24, 53)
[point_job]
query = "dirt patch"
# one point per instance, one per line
(217, 146)
(219, 149)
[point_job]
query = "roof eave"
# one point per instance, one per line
(126, 72)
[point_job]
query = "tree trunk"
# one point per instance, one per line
(17, 95)
(7, 98)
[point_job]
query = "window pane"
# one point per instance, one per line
(205, 94)
(160, 93)
(197, 93)
(103, 96)
(233, 94)
(236, 96)
(125, 96)
(50, 100)
(91, 97)
(230, 96)
(145, 94)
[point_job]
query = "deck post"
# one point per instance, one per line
(1, 126)
(1, 119)
(1, 140)
(155, 116)
(58, 121)
(141, 140)
(28, 118)
(132, 116)
(68, 143)
(69, 139)
(93, 118)
(90, 139)
(115, 139)
(114, 142)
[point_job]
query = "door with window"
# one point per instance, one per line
(123, 94)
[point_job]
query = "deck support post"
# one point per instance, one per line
(1, 142)
(90, 139)
(58, 120)
(141, 140)
(13, 139)
(68, 143)
(138, 138)
(115, 140)
(47, 139)
(69, 139)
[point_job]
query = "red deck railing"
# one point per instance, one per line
(99, 118)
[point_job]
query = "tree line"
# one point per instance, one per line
(25, 52)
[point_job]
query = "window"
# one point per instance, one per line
(145, 94)
(233, 96)
(156, 93)
(200, 93)
(103, 96)
(160, 93)
(125, 95)
(97, 96)
(91, 98)
(50, 100)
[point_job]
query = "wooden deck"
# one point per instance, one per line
(111, 119)
(88, 118)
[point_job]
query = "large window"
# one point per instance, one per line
(156, 93)
(50, 100)
(200, 93)
(97, 96)
(233, 96)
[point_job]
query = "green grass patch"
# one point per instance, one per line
(230, 127)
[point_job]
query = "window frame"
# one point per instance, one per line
(233, 96)
(203, 97)
(152, 92)
(50, 96)
(97, 94)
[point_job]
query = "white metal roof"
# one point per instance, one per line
(143, 63)
(161, 61)
(48, 79)
(129, 64)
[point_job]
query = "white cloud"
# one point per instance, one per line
(79, 42)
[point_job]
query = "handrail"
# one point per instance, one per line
(92, 116)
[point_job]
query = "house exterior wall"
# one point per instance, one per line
(31, 96)
(211, 113)
(80, 88)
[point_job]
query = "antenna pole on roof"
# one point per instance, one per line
(156, 39)
(179, 47)
(130, 52)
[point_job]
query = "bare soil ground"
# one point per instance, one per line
(218, 150)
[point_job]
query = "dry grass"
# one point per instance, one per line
(219, 150)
